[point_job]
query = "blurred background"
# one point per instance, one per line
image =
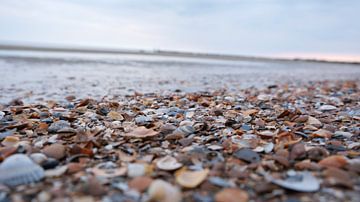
(98, 48)
(322, 29)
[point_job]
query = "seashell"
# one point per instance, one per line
(301, 181)
(343, 134)
(56, 151)
(186, 130)
(143, 120)
(268, 147)
(19, 169)
(38, 158)
(138, 169)
(168, 163)
(2, 114)
(267, 134)
(190, 179)
(115, 116)
(108, 170)
(50, 163)
(10, 141)
(259, 149)
(56, 172)
(215, 147)
(167, 128)
(140, 183)
(336, 161)
(162, 191)
(55, 127)
(7, 133)
(231, 195)
(141, 132)
(327, 107)
(247, 155)
(314, 122)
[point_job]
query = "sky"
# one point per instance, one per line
(286, 28)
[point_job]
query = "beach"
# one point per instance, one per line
(133, 127)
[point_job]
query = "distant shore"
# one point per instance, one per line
(68, 49)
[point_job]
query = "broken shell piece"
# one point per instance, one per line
(231, 195)
(322, 133)
(337, 161)
(10, 141)
(190, 179)
(327, 108)
(161, 191)
(267, 134)
(343, 134)
(185, 130)
(168, 163)
(19, 169)
(300, 181)
(56, 126)
(115, 116)
(141, 132)
(313, 121)
(247, 155)
(215, 147)
(56, 172)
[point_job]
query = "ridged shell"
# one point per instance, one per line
(19, 169)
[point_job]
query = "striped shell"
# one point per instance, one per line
(19, 169)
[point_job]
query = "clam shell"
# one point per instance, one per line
(190, 179)
(19, 169)
(38, 158)
(168, 163)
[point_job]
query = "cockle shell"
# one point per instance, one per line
(19, 169)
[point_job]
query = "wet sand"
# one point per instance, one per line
(43, 75)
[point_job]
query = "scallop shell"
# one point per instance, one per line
(19, 169)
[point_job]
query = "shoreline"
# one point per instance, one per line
(166, 53)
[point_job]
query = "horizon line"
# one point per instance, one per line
(158, 52)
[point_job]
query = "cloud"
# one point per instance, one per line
(237, 27)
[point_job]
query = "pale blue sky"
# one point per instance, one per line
(268, 27)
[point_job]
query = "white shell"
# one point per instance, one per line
(306, 183)
(168, 163)
(38, 158)
(19, 169)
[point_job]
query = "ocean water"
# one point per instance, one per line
(34, 76)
